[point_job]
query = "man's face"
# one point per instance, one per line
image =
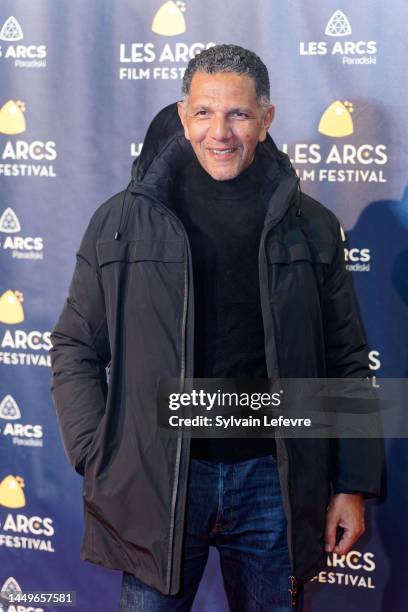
(224, 122)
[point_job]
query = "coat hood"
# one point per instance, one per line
(165, 140)
(165, 150)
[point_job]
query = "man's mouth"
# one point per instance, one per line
(223, 153)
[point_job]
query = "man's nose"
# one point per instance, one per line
(220, 128)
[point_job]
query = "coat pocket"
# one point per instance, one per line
(299, 250)
(297, 267)
(94, 450)
(296, 274)
(140, 250)
(144, 284)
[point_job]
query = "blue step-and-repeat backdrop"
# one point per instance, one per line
(80, 82)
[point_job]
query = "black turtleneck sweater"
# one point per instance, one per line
(224, 221)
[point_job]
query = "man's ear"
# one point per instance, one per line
(267, 119)
(182, 112)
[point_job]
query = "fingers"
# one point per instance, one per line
(331, 531)
(346, 513)
(348, 538)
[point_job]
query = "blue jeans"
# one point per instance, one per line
(236, 507)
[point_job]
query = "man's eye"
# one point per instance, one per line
(240, 115)
(201, 113)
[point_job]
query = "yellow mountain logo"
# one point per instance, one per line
(11, 309)
(9, 223)
(11, 30)
(9, 409)
(336, 120)
(11, 492)
(12, 120)
(169, 19)
(338, 25)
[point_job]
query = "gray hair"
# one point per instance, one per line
(230, 58)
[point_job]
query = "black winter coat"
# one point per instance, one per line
(130, 309)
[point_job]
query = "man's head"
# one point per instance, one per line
(226, 109)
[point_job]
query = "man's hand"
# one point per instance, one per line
(346, 510)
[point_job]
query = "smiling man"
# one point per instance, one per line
(224, 118)
(212, 264)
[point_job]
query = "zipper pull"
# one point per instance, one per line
(293, 590)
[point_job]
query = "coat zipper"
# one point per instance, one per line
(293, 583)
(183, 361)
(180, 436)
(293, 590)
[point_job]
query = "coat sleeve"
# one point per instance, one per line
(357, 463)
(79, 356)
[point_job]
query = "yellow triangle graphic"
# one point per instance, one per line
(169, 19)
(11, 310)
(11, 492)
(12, 120)
(336, 120)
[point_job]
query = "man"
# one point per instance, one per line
(211, 264)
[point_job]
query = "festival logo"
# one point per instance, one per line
(338, 25)
(356, 569)
(350, 160)
(18, 530)
(19, 247)
(21, 346)
(12, 120)
(9, 409)
(16, 156)
(20, 434)
(9, 223)
(11, 308)
(11, 30)
(169, 19)
(11, 588)
(152, 60)
(11, 492)
(21, 55)
(336, 120)
(350, 51)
